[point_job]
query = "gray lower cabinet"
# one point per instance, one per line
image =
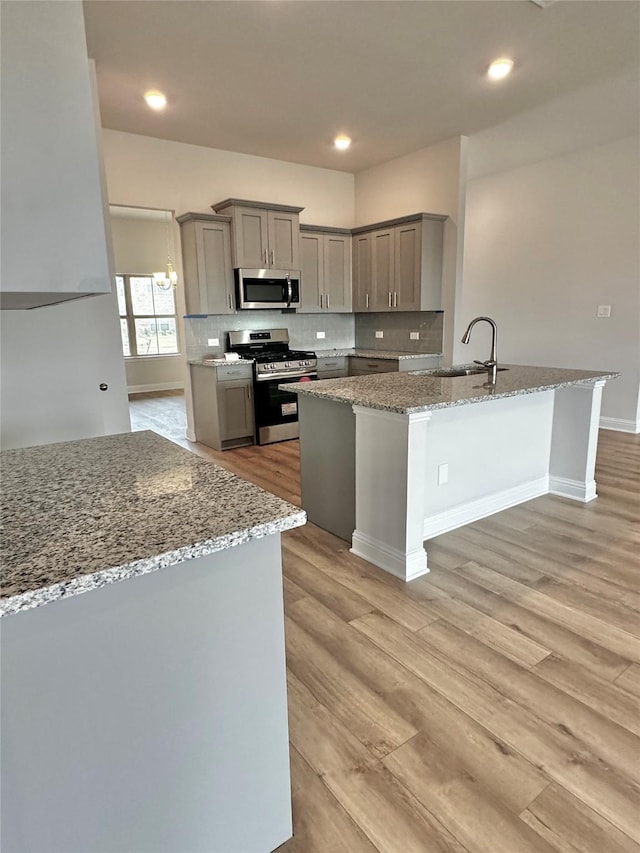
(206, 258)
(359, 366)
(398, 267)
(223, 405)
(332, 367)
(325, 258)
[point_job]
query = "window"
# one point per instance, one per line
(147, 316)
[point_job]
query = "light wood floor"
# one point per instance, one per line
(491, 706)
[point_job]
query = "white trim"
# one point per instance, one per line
(575, 490)
(403, 566)
(156, 386)
(466, 513)
(620, 424)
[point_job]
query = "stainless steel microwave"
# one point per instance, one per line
(267, 288)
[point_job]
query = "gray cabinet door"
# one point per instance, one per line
(362, 293)
(250, 238)
(235, 407)
(383, 269)
(311, 264)
(406, 296)
(337, 272)
(208, 276)
(283, 241)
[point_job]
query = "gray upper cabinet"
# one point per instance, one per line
(326, 270)
(206, 257)
(263, 236)
(398, 267)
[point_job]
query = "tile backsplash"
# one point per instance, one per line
(342, 331)
(397, 328)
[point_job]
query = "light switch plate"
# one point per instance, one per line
(414, 336)
(379, 334)
(320, 335)
(213, 342)
(604, 311)
(443, 473)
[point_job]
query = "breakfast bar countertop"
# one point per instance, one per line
(82, 514)
(420, 391)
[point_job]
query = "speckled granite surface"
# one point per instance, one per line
(372, 353)
(82, 514)
(420, 391)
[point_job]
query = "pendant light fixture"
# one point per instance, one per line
(168, 278)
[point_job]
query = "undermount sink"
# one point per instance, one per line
(460, 371)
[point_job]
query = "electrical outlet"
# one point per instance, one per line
(604, 311)
(320, 335)
(414, 336)
(443, 473)
(379, 334)
(213, 342)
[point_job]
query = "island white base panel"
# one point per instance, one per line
(151, 715)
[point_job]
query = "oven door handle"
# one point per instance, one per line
(294, 374)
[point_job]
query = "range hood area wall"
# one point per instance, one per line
(342, 331)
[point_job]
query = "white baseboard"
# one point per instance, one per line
(466, 513)
(157, 386)
(620, 425)
(575, 490)
(403, 566)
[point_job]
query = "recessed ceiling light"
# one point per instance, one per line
(155, 99)
(342, 142)
(500, 68)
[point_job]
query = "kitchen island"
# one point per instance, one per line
(391, 460)
(143, 671)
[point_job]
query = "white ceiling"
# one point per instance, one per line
(280, 78)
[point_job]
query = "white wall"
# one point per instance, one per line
(140, 246)
(53, 361)
(155, 173)
(54, 358)
(432, 180)
(545, 244)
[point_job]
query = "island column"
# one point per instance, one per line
(390, 499)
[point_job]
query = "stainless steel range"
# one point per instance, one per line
(274, 364)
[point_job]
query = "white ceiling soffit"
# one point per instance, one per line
(281, 79)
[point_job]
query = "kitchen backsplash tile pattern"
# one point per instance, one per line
(342, 331)
(339, 330)
(397, 329)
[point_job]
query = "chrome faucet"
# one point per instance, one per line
(492, 363)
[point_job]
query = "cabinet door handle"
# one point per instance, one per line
(273, 257)
(266, 262)
(229, 298)
(366, 299)
(248, 392)
(389, 299)
(321, 300)
(326, 301)
(395, 299)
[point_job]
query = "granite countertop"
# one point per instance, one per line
(371, 353)
(421, 391)
(82, 514)
(212, 361)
